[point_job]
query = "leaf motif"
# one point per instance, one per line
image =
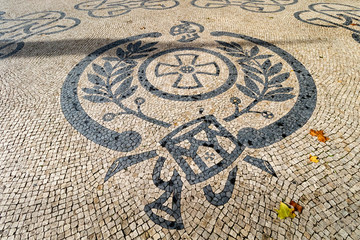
(99, 70)
(136, 46)
(130, 47)
(246, 91)
(111, 59)
(254, 51)
(275, 69)
(280, 90)
(253, 76)
(265, 66)
(227, 45)
(96, 99)
(128, 93)
(279, 78)
(120, 53)
(130, 62)
(97, 87)
(122, 70)
(238, 46)
(124, 86)
(237, 55)
(137, 56)
(95, 79)
(120, 78)
(147, 45)
(147, 50)
(251, 85)
(278, 97)
(108, 68)
(228, 49)
(133, 47)
(249, 68)
(93, 91)
(263, 56)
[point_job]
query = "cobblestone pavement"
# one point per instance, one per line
(169, 119)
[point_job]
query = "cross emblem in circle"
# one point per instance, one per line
(188, 70)
(209, 156)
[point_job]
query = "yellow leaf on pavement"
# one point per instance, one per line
(314, 159)
(284, 211)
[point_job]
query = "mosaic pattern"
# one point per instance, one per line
(114, 8)
(333, 15)
(260, 6)
(162, 168)
(13, 31)
(204, 146)
(188, 31)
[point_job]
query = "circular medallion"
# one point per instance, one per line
(136, 96)
(187, 74)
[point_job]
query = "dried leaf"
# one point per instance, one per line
(284, 211)
(319, 134)
(297, 207)
(314, 159)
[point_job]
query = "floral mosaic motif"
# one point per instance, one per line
(202, 147)
(112, 82)
(13, 31)
(187, 71)
(260, 6)
(114, 8)
(263, 79)
(333, 15)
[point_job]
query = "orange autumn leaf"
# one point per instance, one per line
(353, 24)
(314, 159)
(319, 134)
(297, 207)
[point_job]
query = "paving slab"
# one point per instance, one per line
(169, 119)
